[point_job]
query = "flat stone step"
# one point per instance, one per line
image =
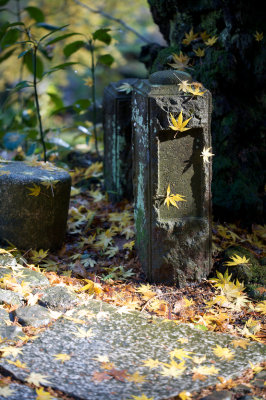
(99, 331)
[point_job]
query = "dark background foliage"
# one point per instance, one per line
(234, 71)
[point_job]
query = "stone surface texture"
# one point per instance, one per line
(35, 316)
(174, 245)
(29, 221)
(117, 141)
(127, 340)
(58, 298)
(9, 297)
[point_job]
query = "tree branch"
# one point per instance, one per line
(108, 16)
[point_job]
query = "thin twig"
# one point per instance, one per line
(155, 297)
(94, 96)
(34, 55)
(109, 16)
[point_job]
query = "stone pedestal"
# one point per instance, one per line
(34, 202)
(173, 244)
(117, 141)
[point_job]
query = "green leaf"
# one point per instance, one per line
(10, 37)
(58, 67)
(23, 53)
(48, 27)
(61, 28)
(6, 55)
(62, 37)
(106, 59)
(58, 102)
(102, 35)
(3, 2)
(71, 48)
(16, 24)
(81, 104)
(35, 13)
(21, 85)
(28, 60)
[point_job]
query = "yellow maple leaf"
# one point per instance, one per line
(240, 343)
(261, 307)
(199, 52)
(179, 125)
(10, 351)
(37, 379)
(223, 352)
(142, 397)
(180, 61)
(91, 287)
(150, 363)
(255, 367)
(62, 357)
(35, 190)
(184, 86)
(195, 91)
(205, 370)
(258, 36)
(172, 198)
(82, 333)
(237, 260)
(189, 37)
(198, 360)
(182, 340)
(129, 245)
(136, 377)
(173, 369)
(211, 41)
(88, 81)
(206, 154)
(180, 354)
(184, 395)
(125, 87)
(43, 395)
(6, 391)
(18, 364)
(145, 291)
(204, 36)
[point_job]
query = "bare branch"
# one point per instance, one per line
(108, 16)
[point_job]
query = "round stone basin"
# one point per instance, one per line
(34, 201)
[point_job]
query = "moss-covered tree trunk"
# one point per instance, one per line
(233, 69)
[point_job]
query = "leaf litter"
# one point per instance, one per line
(98, 261)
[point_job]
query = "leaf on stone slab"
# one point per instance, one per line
(62, 357)
(136, 378)
(172, 198)
(37, 379)
(223, 352)
(205, 370)
(6, 391)
(82, 333)
(141, 397)
(240, 343)
(18, 364)
(150, 363)
(180, 354)
(11, 351)
(43, 395)
(184, 395)
(102, 358)
(118, 374)
(197, 376)
(100, 376)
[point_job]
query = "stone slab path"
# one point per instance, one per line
(107, 349)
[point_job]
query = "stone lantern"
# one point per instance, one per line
(117, 140)
(173, 243)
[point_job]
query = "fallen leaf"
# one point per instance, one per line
(62, 357)
(136, 378)
(6, 391)
(43, 395)
(150, 363)
(37, 379)
(223, 352)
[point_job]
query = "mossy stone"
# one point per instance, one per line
(34, 204)
(249, 273)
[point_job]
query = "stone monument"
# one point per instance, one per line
(117, 140)
(173, 242)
